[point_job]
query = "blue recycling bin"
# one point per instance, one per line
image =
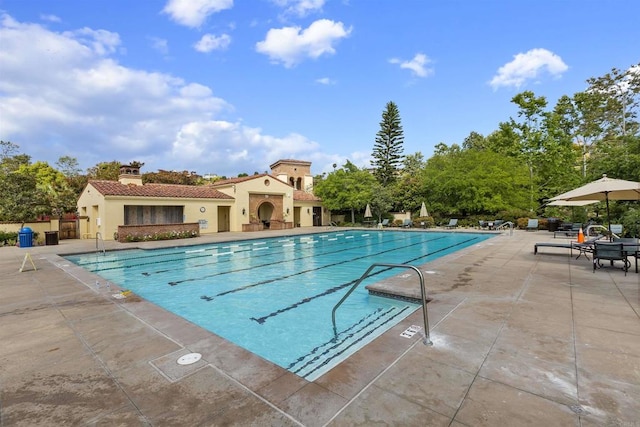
(25, 237)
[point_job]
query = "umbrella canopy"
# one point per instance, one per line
(603, 189)
(423, 210)
(367, 211)
(572, 202)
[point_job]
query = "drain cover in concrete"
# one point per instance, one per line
(189, 359)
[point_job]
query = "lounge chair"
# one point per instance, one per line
(582, 248)
(532, 225)
(384, 223)
(407, 223)
(453, 223)
(610, 251)
(573, 232)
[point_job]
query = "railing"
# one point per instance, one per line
(504, 225)
(98, 241)
(427, 339)
(587, 231)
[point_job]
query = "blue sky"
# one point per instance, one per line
(226, 87)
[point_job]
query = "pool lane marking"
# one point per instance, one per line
(353, 343)
(299, 256)
(262, 319)
(248, 250)
(333, 340)
(253, 285)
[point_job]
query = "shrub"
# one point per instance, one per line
(161, 235)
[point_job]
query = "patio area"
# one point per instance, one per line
(518, 339)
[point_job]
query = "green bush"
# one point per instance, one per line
(8, 238)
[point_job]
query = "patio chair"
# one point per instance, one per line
(631, 247)
(384, 223)
(532, 225)
(609, 251)
(616, 229)
(407, 223)
(453, 223)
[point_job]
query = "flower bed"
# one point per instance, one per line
(151, 232)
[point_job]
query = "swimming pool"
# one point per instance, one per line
(274, 296)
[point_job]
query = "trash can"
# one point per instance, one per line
(50, 238)
(554, 224)
(25, 237)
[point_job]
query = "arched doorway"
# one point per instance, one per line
(265, 212)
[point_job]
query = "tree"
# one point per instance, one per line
(347, 188)
(172, 177)
(388, 148)
(19, 195)
(105, 170)
(472, 182)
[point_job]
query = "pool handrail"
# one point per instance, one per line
(99, 239)
(504, 225)
(427, 339)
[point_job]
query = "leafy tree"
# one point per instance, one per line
(474, 140)
(381, 200)
(413, 163)
(105, 170)
(19, 194)
(172, 177)
(473, 182)
(347, 188)
(68, 166)
(388, 148)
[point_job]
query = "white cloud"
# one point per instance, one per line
(239, 145)
(193, 13)
(291, 45)
(210, 42)
(50, 18)
(325, 81)
(300, 7)
(161, 45)
(89, 106)
(418, 65)
(528, 66)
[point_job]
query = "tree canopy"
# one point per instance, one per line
(388, 148)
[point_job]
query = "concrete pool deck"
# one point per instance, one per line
(518, 339)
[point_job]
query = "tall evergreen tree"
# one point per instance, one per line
(387, 151)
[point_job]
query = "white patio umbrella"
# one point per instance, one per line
(603, 189)
(423, 210)
(572, 202)
(367, 211)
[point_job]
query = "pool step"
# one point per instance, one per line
(327, 355)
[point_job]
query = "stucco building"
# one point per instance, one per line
(279, 200)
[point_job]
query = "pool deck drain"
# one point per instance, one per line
(177, 365)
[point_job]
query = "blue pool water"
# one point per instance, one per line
(274, 296)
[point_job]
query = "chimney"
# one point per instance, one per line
(130, 174)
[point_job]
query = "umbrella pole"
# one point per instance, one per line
(606, 195)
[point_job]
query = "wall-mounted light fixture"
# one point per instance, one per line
(244, 211)
(287, 210)
(308, 211)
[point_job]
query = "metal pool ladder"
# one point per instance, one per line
(427, 339)
(505, 225)
(99, 240)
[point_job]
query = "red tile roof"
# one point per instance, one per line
(224, 182)
(114, 188)
(303, 196)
